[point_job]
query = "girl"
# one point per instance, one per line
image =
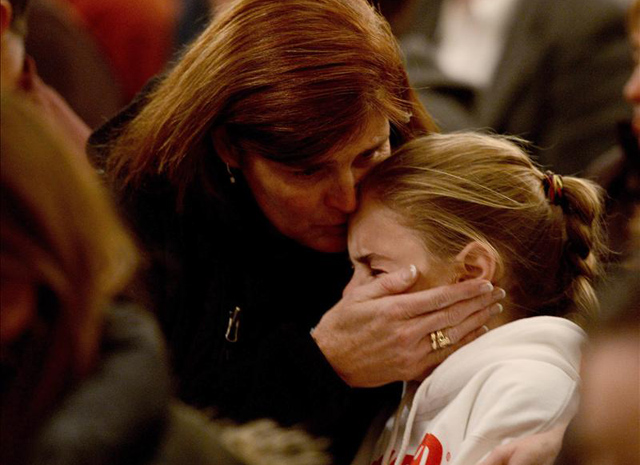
(469, 206)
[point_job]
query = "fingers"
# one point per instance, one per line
(460, 300)
(472, 323)
(468, 330)
(432, 358)
(454, 314)
(390, 284)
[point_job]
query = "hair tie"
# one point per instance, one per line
(553, 188)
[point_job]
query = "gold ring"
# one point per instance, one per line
(439, 340)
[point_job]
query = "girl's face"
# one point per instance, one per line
(311, 203)
(379, 243)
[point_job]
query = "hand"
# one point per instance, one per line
(375, 335)
(539, 449)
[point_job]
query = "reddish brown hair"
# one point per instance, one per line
(285, 80)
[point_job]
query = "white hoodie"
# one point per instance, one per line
(518, 379)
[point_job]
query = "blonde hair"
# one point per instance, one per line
(284, 80)
(458, 188)
(60, 235)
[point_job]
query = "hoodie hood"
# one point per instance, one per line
(549, 347)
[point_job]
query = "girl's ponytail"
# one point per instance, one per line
(581, 202)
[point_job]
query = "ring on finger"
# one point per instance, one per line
(439, 340)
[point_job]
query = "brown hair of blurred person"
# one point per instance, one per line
(64, 257)
(245, 84)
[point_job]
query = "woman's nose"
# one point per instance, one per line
(343, 194)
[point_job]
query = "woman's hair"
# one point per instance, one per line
(60, 237)
(284, 80)
(458, 188)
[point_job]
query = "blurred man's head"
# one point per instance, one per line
(13, 26)
(14, 15)
(632, 88)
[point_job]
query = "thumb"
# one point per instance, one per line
(389, 284)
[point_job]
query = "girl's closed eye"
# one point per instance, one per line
(376, 272)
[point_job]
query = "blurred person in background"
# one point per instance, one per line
(65, 257)
(70, 61)
(18, 74)
(618, 170)
(548, 71)
(136, 37)
(194, 17)
(606, 430)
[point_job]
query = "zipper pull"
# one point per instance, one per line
(234, 323)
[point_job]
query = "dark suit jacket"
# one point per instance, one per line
(559, 82)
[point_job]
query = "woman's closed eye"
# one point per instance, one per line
(308, 172)
(376, 155)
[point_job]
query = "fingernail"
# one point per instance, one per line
(499, 294)
(485, 328)
(486, 287)
(410, 273)
(495, 309)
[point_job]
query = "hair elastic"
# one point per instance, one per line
(553, 188)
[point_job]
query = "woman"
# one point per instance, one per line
(469, 206)
(237, 171)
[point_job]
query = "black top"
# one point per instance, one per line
(221, 253)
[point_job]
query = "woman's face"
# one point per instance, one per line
(632, 88)
(380, 244)
(311, 203)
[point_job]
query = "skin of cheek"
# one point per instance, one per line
(296, 209)
(277, 197)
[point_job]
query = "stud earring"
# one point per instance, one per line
(232, 178)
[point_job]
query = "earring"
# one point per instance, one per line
(232, 178)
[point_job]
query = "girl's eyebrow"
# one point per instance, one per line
(367, 258)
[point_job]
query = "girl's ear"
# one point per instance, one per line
(225, 150)
(476, 261)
